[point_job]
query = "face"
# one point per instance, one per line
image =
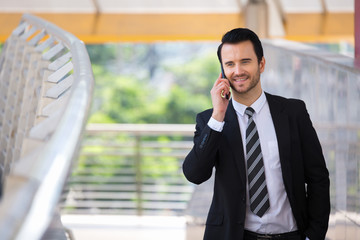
(242, 68)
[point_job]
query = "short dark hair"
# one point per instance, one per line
(241, 35)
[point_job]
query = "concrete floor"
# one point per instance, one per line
(94, 227)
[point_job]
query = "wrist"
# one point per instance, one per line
(216, 125)
(218, 116)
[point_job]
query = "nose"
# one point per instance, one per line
(238, 70)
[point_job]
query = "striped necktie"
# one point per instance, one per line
(258, 194)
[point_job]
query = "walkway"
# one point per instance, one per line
(111, 227)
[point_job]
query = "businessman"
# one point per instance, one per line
(271, 180)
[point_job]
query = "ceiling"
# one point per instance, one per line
(97, 21)
(166, 6)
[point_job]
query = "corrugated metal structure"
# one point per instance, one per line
(98, 21)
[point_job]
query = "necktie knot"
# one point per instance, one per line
(249, 111)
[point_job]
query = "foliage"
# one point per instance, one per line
(141, 83)
(145, 88)
(101, 53)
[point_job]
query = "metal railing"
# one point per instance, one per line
(46, 85)
(131, 169)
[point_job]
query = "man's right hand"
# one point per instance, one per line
(219, 90)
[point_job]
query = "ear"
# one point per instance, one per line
(262, 65)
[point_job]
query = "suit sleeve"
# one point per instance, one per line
(316, 179)
(198, 164)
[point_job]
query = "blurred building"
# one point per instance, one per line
(98, 21)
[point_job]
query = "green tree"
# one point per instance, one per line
(131, 97)
(101, 54)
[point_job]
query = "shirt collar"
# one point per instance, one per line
(257, 105)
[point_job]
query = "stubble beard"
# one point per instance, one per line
(253, 83)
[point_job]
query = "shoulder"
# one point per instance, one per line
(288, 103)
(290, 106)
(204, 115)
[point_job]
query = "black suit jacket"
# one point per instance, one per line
(304, 171)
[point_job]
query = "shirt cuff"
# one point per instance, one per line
(216, 125)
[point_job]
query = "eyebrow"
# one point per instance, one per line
(228, 62)
(243, 59)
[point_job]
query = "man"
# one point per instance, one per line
(271, 180)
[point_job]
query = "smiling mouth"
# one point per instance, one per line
(240, 79)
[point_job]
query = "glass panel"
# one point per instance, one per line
(331, 92)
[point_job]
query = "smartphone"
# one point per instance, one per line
(227, 96)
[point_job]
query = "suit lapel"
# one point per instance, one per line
(282, 129)
(281, 124)
(233, 137)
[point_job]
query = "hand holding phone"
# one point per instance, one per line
(227, 96)
(220, 89)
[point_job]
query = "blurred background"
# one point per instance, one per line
(154, 63)
(168, 48)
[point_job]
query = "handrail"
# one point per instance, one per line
(130, 169)
(34, 186)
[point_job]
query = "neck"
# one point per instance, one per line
(248, 98)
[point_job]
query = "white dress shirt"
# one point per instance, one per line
(279, 218)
